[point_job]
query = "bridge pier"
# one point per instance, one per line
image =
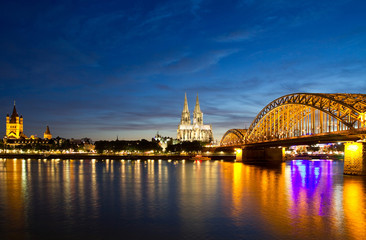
(271, 154)
(239, 155)
(355, 158)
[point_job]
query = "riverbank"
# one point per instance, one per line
(84, 156)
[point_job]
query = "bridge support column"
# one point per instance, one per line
(355, 158)
(262, 154)
(239, 155)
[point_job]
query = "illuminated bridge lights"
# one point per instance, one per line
(354, 158)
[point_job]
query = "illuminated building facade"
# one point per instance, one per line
(188, 131)
(14, 131)
(47, 134)
(14, 125)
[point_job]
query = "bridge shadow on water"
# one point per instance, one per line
(266, 165)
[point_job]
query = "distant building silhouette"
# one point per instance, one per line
(188, 131)
(164, 141)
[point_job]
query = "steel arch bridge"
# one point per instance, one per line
(233, 137)
(302, 115)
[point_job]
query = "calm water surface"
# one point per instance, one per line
(67, 199)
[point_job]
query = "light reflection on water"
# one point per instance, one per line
(75, 199)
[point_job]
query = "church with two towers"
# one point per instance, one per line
(196, 130)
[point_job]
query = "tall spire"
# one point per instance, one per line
(185, 108)
(197, 114)
(186, 118)
(197, 107)
(14, 115)
(14, 111)
(48, 130)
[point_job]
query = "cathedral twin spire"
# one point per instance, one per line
(185, 108)
(195, 130)
(197, 114)
(197, 107)
(186, 117)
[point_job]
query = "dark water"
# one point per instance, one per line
(66, 199)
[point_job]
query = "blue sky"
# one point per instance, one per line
(105, 68)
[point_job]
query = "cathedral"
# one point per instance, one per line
(188, 131)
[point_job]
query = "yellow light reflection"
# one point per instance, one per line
(354, 205)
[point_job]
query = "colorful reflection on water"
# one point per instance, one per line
(112, 199)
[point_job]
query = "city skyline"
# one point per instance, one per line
(100, 70)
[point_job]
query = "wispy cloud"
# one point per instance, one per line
(195, 63)
(239, 35)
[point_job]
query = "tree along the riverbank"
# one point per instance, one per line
(118, 146)
(55, 144)
(144, 146)
(195, 146)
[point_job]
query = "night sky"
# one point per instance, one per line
(100, 69)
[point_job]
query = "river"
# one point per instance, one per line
(115, 199)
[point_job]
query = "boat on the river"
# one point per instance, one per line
(200, 158)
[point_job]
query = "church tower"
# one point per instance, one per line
(186, 117)
(197, 114)
(14, 125)
(47, 134)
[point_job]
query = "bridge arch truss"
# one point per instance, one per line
(233, 137)
(302, 114)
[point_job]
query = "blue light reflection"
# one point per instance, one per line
(310, 185)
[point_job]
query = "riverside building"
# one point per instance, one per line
(14, 131)
(14, 125)
(196, 130)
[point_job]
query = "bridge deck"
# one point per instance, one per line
(340, 136)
